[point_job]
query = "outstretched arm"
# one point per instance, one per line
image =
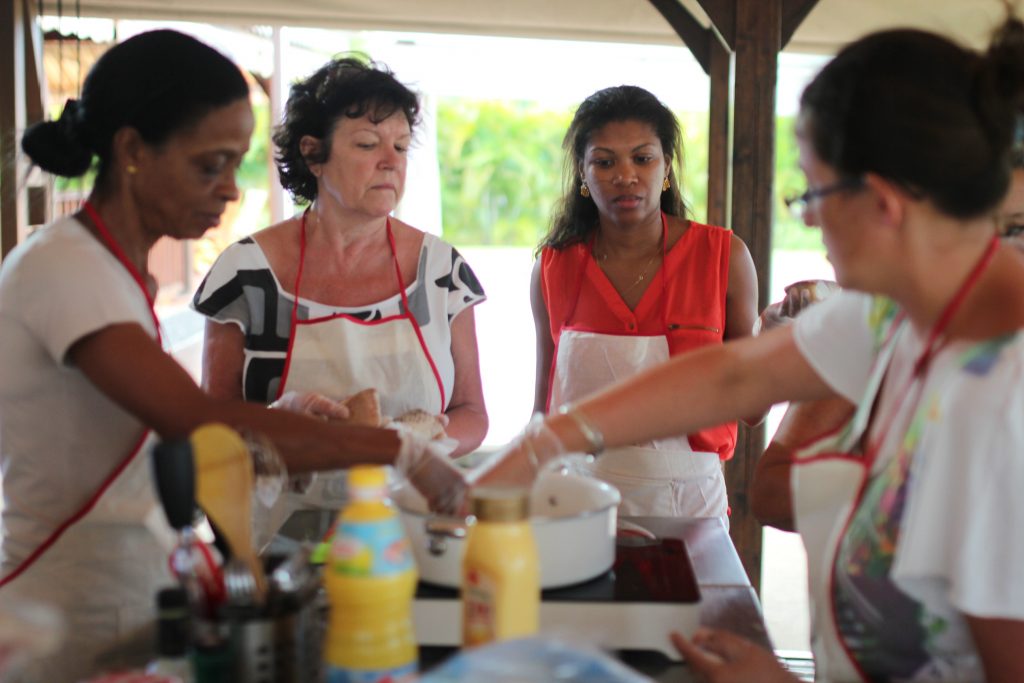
(691, 391)
(696, 390)
(131, 369)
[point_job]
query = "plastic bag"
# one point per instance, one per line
(533, 659)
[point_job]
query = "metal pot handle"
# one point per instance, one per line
(440, 529)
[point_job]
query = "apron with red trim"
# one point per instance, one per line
(102, 566)
(666, 477)
(340, 355)
(863, 626)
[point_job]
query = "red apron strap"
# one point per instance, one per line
(115, 248)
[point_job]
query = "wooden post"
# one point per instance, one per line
(758, 41)
(13, 206)
(719, 134)
(22, 99)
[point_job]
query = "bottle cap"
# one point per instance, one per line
(172, 601)
(367, 482)
(494, 504)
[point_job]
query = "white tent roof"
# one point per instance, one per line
(831, 24)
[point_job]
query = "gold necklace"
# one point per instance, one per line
(603, 258)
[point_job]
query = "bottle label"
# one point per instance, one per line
(377, 548)
(478, 608)
(401, 674)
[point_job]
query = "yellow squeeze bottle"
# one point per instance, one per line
(370, 579)
(500, 571)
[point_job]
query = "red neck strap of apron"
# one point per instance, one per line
(664, 299)
(118, 252)
(302, 260)
(936, 341)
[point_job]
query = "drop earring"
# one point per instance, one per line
(584, 190)
(666, 185)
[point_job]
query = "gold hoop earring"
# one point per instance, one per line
(584, 190)
(665, 186)
(131, 169)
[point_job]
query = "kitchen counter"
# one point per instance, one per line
(728, 600)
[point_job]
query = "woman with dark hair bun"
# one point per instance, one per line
(625, 280)
(910, 511)
(344, 299)
(87, 386)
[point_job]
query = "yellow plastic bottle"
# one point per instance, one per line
(370, 579)
(500, 571)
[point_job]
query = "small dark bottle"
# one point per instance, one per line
(173, 635)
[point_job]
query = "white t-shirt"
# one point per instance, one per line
(59, 435)
(959, 548)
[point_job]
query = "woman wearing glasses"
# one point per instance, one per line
(624, 281)
(905, 140)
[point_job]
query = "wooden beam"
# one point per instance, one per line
(37, 191)
(690, 31)
(722, 14)
(719, 135)
(793, 14)
(35, 73)
(758, 40)
(13, 207)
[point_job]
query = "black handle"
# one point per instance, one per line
(175, 475)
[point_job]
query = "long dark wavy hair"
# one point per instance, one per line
(576, 216)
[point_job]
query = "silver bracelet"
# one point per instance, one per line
(593, 435)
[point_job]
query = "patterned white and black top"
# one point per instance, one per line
(242, 289)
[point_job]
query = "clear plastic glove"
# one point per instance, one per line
(518, 463)
(313, 404)
(799, 296)
(269, 469)
(431, 472)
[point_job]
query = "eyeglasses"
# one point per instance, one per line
(1011, 225)
(797, 204)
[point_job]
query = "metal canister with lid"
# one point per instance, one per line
(500, 570)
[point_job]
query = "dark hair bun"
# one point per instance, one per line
(57, 146)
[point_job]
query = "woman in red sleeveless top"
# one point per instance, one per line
(624, 281)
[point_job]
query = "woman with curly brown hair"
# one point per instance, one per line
(344, 297)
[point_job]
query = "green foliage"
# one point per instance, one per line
(695, 163)
(255, 168)
(500, 170)
(789, 232)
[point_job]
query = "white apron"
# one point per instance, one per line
(829, 478)
(339, 355)
(103, 566)
(658, 478)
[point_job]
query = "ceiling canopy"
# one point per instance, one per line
(830, 24)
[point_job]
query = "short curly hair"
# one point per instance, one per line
(349, 86)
